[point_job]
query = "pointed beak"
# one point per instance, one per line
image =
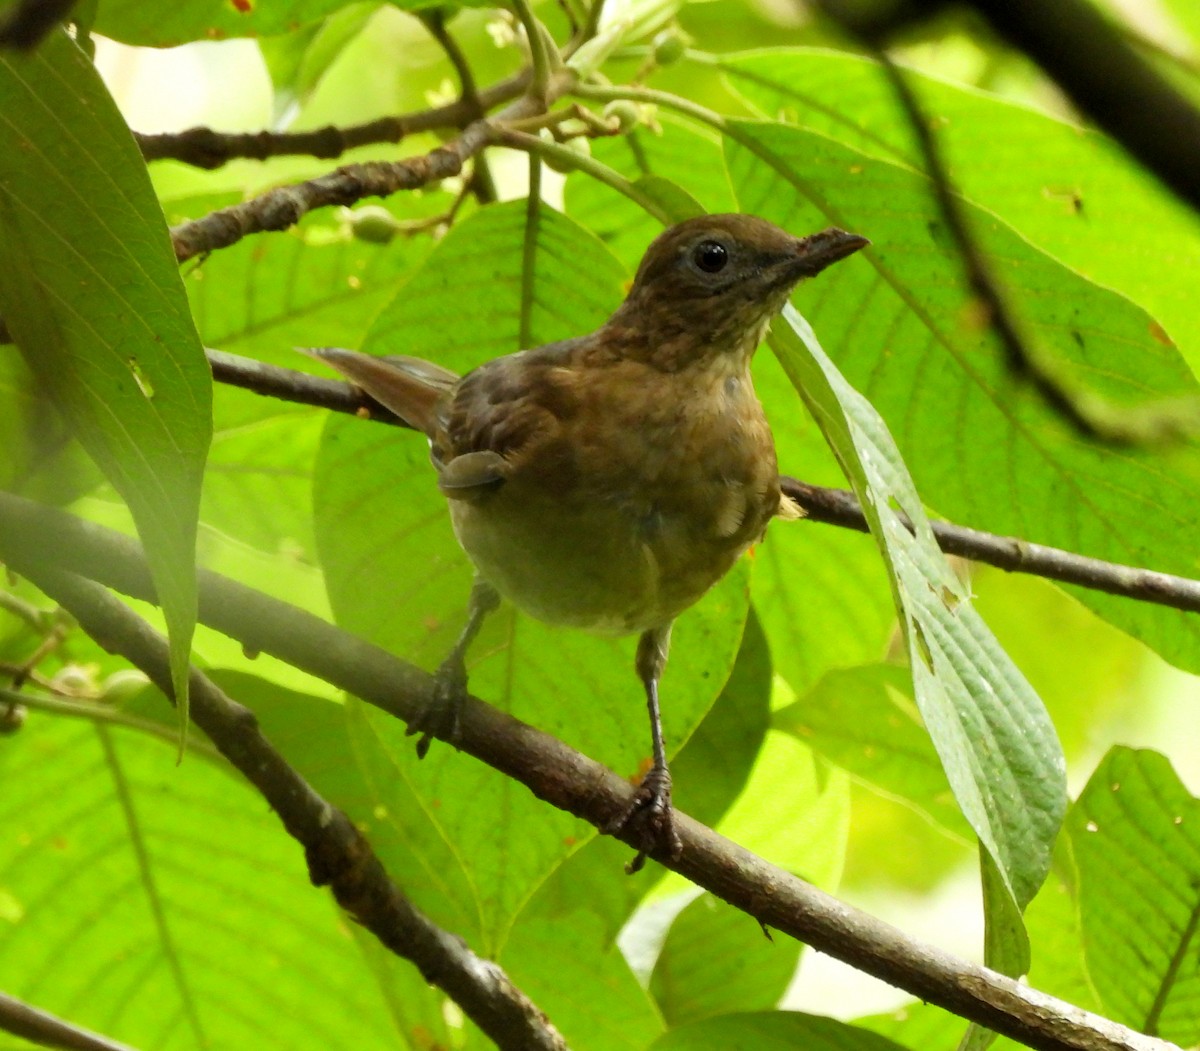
(815, 253)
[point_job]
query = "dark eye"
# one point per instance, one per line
(710, 256)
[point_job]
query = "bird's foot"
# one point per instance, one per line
(440, 717)
(650, 818)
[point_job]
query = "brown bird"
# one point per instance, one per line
(608, 481)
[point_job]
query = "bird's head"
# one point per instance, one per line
(712, 284)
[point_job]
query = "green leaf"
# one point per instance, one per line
(864, 720)
(153, 25)
(984, 449)
(396, 575)
(1068, 189)
(717, 960)
(145, 891)
(1134, 836)
(772, 1031)
(569, 966)
(679, 166)
(993, 736)
(822, 593)
(90, 291)
(297, 61)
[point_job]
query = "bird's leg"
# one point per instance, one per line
(650, 811)
(441, 715)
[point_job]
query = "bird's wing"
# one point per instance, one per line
(415, 390)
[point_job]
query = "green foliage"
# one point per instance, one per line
(90, 292)
(835, 704)
(1134, 842)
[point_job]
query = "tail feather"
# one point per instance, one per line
(412, 388)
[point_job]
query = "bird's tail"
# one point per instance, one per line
(412, 388)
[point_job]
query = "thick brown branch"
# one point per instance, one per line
(338, 855)
(45, 1030)
(561, 776)
(834, 506)
(206, 148)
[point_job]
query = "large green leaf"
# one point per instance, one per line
(993, 736)
(983, 447)
(155, 25)
(716, 959)
(1134, 838)
(396, 575)
(138, 893)
(1070, 190)
(772, 1031)
(863, 720)
(90, 291)
(689, 158)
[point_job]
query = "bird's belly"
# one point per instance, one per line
(586, 566)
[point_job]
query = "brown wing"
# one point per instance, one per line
(513, 408)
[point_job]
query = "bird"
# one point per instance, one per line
(606, 482)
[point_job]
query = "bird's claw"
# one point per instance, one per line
(650, 818)
(441, 716)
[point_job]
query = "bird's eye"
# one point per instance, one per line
(710, 256)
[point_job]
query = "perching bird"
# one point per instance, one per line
(607, 482)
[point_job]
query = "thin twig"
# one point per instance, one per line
(206, 148)
(833, 506)
(338, 855)
(42, 1028)
(1091, 415)
(32, 535)
(1080, 47)
(539, 52)
(100, 712)
(481, 183)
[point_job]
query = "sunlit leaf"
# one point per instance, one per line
(90, 292)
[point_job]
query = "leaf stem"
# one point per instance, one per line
(539, 56)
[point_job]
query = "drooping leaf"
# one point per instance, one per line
(992, 734)
(90, 292)
(147, 25)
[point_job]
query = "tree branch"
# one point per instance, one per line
(284, 206)
(44, 1029)
(338, 855)
(832, 506)
(434, 19)
(33, 535)
(205, 148)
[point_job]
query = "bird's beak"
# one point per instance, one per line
(816, 252)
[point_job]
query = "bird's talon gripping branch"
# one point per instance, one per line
(442, 715)
(650, 816)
